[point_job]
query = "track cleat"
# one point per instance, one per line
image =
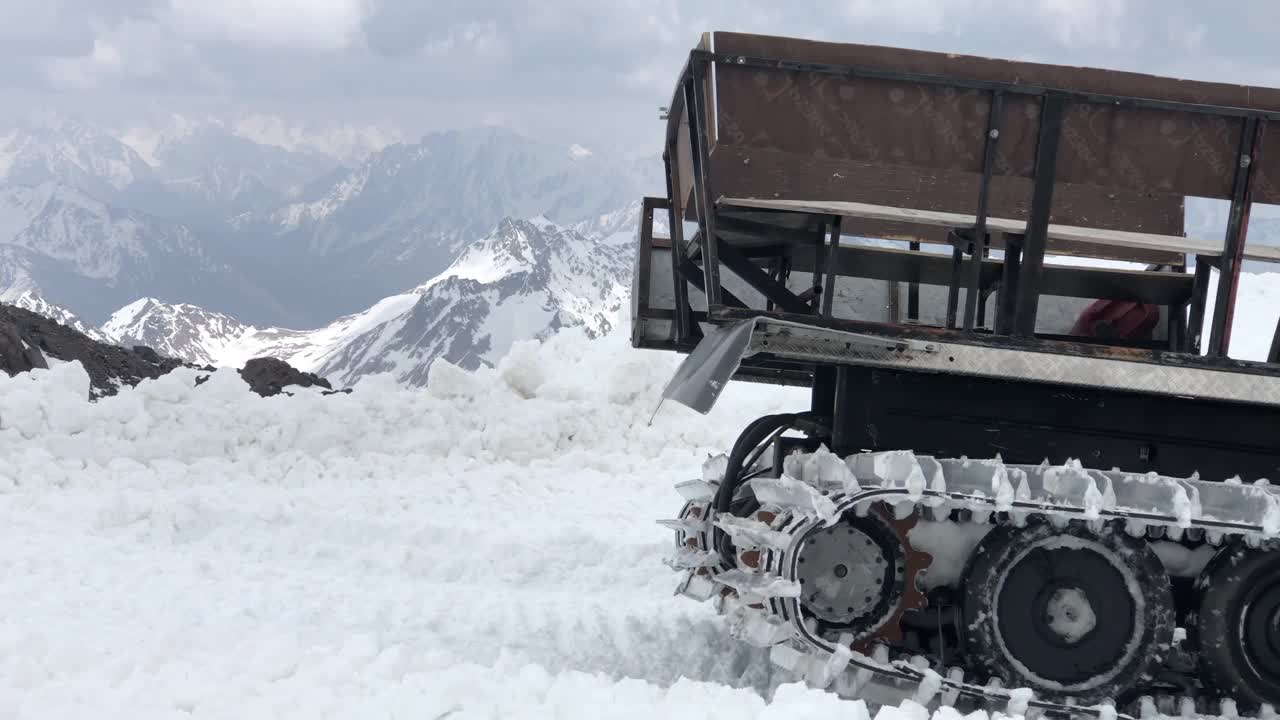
(753, 587)
(697, 586)
(747, 532)
(930, 685)
(757, 629)
(823, 673)
(797, 497)
(1019, 701)
(687, 558)
(698, 491)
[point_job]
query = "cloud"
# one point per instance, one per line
(140, 55)
(1090, 23)
(286, 24)
(604, 66)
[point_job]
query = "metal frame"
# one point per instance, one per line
(1024, 256)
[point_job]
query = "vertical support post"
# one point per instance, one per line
(1007, 301)
(695, 93)
(953, 289)
(913, 291)
(822, 400)
(1274, 355)
(1233, 249)
(829, 287)
(980, 238)
(819, 269)
(1199, 298)
(1032, 272)
(1177, 321)
(683, 322)
(840, 414)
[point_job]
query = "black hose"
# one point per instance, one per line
(755, 433)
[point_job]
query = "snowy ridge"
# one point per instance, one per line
(522, 281)
(194, 334)
(28, 300)
(181, 331)
(341, 143)
(88, 256)
(86, 236)
(407, 212)
(290, 212)
(64, 150)
(526, 279)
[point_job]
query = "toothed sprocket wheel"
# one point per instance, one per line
(858, 576)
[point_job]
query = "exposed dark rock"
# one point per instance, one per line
(26, 338)
(147, 354)
(268, 376)
(15, 354)
(107, 365)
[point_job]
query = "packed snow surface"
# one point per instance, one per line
(482, 547)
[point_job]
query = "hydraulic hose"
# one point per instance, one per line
(755, 433)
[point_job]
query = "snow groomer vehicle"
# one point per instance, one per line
(1031, 476)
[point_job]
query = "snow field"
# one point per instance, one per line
(486, 545)
(481, 547)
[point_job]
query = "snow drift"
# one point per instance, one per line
(204, 551)
(483, 546)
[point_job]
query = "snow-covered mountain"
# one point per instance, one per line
(28, 300)
(407, 212)
(67, 151)
(212, 171)
(256, 219)
(197, 335)
(81, 253)
(177, 330)
(523, 281)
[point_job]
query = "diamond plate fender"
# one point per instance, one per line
(705, 372)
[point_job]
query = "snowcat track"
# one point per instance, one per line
(799, 507)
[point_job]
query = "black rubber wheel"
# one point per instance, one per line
(1238, 625)
(1069, 613)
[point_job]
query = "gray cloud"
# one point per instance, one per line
(543, 65)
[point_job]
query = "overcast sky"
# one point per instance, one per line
(589, 71)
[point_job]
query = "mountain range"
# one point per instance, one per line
(273, 235)
(523, 280)
(345, 253)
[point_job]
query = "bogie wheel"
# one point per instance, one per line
(1071, 613)
(1238, 625)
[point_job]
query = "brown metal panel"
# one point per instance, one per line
(1142, 149)
(749, 172)
(874, 121)
(1266, 174)
(1079, 79)
(881, 121)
